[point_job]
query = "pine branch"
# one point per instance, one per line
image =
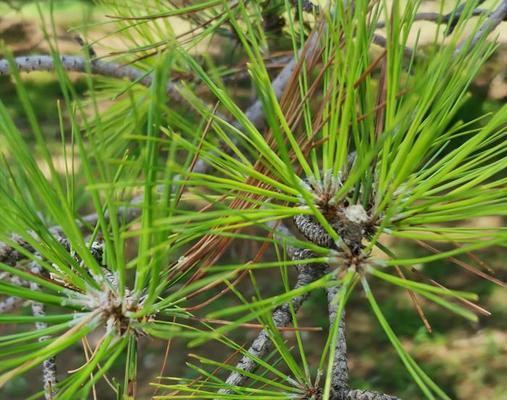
(366, 395)
(70, 63)
(282, 316)
(9, 303)
(254, 113)
(306, 6)
(451, 18)
(493, 20)
(9, 255)
(381, 41)
(340, 371)
(48, 365)
(313, 231)
(45, 62)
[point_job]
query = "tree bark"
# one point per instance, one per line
(282, 316)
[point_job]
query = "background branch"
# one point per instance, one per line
(45, 62)
(451, 18)
(488, 26)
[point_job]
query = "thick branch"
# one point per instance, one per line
(313, 231)
(81, 64)
(282, 316)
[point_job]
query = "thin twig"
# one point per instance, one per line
(487, 27)
(48, 365)
(9, 255)
(340, 371)
(381, 41)
(451, 18)
(9, 303)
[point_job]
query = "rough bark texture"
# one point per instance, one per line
(313, 231)
(9, 255)
(282, 317)
(49, 365)
(9, 303)
(366, 395)
(46, 62)
(340, 372)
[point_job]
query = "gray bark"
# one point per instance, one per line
(366, 395)
(9, 303)
(450, 18)
(340, 370)
(49, 365)
(282, 316)
(489, 25)
(313, 231)
(45, 62)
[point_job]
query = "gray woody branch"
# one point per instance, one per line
(81, 64)
(340, 372)
(120, 71)
(282, 316)
(489, 25)
(11, 302)
(48, 365)
(366, 395)
(451, 18)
